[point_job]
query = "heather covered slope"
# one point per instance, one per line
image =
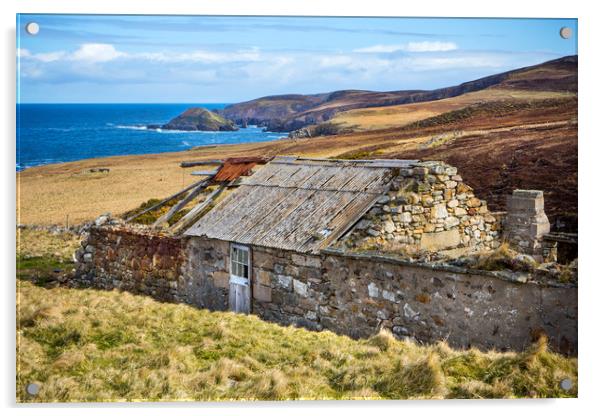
(291, 112)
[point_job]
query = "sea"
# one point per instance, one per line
(56, 133)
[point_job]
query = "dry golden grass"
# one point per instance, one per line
(400, 115)
(40, 243)
(90, 345)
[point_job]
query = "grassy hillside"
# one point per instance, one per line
(291, 112)
(89, 345)
(377, 118)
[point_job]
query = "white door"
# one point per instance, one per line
(240, 279)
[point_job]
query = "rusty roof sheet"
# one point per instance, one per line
(233, 168)
(296, 204)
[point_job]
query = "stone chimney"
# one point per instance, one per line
(526, 222)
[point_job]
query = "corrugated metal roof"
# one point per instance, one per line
(297, 204)
(233, 168)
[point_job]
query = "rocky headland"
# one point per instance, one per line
(198, 119)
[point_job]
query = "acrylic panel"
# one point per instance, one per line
(216, 208)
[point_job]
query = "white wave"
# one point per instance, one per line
(132, 127)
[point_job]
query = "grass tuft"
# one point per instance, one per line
(90, 345)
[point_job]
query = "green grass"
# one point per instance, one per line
(90, 345)
(42, 256)
(151, 216)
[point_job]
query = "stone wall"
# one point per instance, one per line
(526, 223)
(427, 209)
(351, 294)
(146, 263)
(356, 295)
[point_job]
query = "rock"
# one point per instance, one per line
(450, 184)
(363, 224)
(489, 219)
(473, 202)
(311, 315)
(373, 290)
(440, 240)
(451, 222)
(389, 226)
(405, 217)
(390, 296)
(439, 211)
(285, 281)
(102, 220)
(452, 203)
(427, 201)
(409, 312)
(463, 188)
(300, 288)
(372, 232)
(200, 119)
(400, 330)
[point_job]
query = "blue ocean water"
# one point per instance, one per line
(53, 133)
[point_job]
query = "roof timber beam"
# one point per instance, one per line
(191, 195)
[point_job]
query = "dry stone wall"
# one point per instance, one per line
(118, 258)
(351, 294)
(358, 294)
(427, 209)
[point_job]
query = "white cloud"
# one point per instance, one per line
(425, 46)
(23, 53)
(50, 56)
(336, 60)
(96, 52)
(103, 52)
(201, 56)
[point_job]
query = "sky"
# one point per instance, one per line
(225, 59)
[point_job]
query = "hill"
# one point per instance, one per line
(199, 119)
(292, 112)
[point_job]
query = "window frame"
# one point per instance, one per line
(237, 264)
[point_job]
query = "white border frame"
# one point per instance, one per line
(590, 150)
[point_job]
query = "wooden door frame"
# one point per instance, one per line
(250, 268)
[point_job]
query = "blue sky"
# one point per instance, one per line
(203, 59)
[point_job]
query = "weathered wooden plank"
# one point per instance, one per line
(240, 298)
(177, 207)
(204, 172)
(192, 163)
(194, 212)
(164, 201)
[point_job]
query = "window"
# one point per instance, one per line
(240, 261)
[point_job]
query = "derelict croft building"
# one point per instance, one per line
(349, 246)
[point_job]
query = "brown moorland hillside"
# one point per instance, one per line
(291, 112)
(498, 147)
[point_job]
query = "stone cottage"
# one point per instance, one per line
(349, 246)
